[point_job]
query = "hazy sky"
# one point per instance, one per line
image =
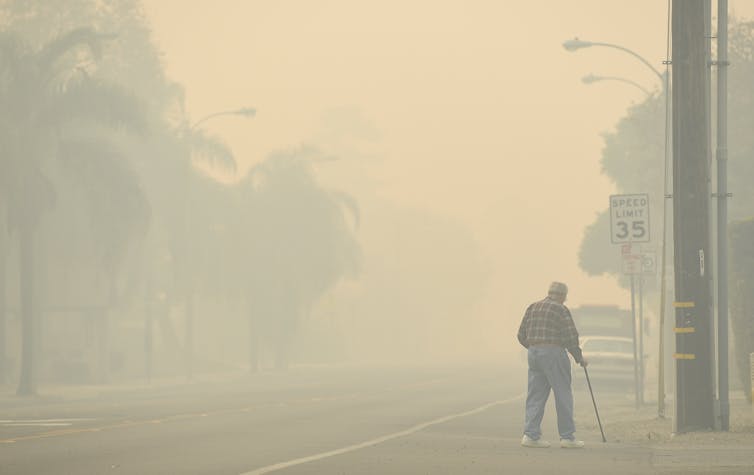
(478, 112)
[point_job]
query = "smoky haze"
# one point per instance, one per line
(463, 131)
(295, 183)
(300, 236)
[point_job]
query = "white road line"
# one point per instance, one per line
(40, 422)
(37, 424)
(78, 419)
(378, 440)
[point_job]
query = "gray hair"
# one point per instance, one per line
(558, 288)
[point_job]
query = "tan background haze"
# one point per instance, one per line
(469, 109)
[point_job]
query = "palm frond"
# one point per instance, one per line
(11, 49)
(119, 208)
(88, 99)
(12, 62)
(210, 150)
(351, 204)
(57, 48)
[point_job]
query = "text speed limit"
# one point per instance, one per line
(629, 218)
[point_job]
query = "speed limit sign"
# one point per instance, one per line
(629, 218)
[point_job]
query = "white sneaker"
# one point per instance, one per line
(571, 444)
(534, 443)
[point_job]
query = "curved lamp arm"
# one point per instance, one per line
(575, 44)
(592, 79)
(244, 111)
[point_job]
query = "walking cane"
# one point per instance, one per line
(595, 404)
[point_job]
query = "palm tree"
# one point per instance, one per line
(197, 150)
(45, 95)
(299, 245)
(116, 218)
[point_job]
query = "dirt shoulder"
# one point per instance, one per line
(623, 423)
(708, 452)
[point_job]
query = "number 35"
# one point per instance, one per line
(637, 231)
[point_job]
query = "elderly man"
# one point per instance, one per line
(547, 331)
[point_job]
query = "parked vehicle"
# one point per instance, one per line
(611, 358)
(603, 320)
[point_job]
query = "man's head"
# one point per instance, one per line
(558, 291)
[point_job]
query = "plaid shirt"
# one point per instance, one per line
(549, 321)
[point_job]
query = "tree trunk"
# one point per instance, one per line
(101, 318)
(27, 384)
(102, 322)
(148, 326)
(189, 334)
(253, 344)
(168, 331)
(282, 357)
(741, 319)
(4, 246)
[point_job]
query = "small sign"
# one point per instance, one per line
(701, 262)
(648, 263)
(629, 218)
(631, 264)
(635, 260)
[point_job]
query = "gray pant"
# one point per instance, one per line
(549, 368)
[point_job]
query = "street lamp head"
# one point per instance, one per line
(590, 78)
(246, 111)
(574, 44)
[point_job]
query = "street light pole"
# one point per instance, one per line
(576, 44)
(247, 112)
(722, 212)
(243, 111)
(592, 78)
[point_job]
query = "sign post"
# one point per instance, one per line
(648, 267)
(629, 224)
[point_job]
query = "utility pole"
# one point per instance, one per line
(693, 297)
(722, 211)
(666, 191)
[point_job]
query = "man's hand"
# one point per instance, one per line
(584, 363)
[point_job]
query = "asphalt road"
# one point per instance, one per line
(308, 421)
